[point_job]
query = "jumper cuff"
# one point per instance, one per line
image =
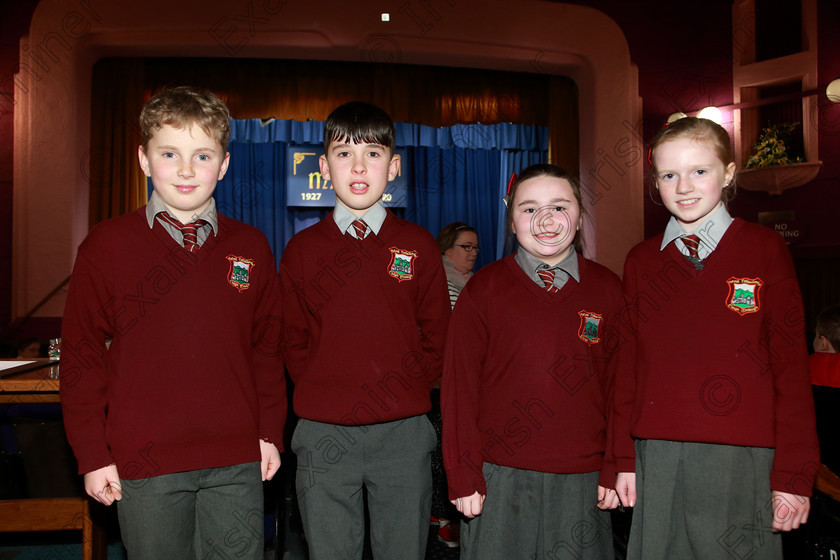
(95, 463)
(607, 476)
(464, 482)
(625, 465)
(800, 484)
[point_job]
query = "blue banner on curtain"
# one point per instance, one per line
(305, 187)
(456, 173)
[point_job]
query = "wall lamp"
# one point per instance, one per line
(833, 91)
(711, 113)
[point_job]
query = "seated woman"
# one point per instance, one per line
(458, 244)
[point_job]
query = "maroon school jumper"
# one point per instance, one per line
(193, 376)
(367, 320)
(527, 375)
(717, 355)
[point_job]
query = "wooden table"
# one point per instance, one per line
(35, 382)
(38, 382)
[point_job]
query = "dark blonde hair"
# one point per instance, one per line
(828, 325)
(356, 122)
(699, 130)
(449, 234)
(545, 170)
(183, 106)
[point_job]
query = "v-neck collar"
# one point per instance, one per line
(173, 246)
(538, 291)
(714, 257)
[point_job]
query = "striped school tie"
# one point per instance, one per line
(547, 276)
(190, 230)
(692, 243)
(361, 228)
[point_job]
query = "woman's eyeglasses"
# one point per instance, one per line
(469, 248)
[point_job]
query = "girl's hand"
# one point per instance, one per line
(269, 460)
(607, 498)
(471, 505)
(625, 487)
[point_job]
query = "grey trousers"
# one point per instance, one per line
(392, 461)
(532, 515)
(211, 514)
(702, 501)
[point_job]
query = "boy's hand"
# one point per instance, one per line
(625, 487)
(471, 505)
(607, 498)
(789, 511)
(103, 485)
(269, 460)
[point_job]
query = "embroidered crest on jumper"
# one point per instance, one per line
(402, 264)
(239, 275)
(590, 324)
(743, 295)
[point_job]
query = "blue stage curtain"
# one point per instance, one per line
(458, 173)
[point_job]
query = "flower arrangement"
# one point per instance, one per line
(773, 147)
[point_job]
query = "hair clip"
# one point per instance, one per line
(650, 158)
(511, 181)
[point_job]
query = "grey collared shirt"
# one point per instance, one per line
(374, 218)
(565, 269)
(710, 231)
(209, 215)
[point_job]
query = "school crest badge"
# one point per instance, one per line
(402, 264)
(590, 324)
(743, 295)
(239, 275)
